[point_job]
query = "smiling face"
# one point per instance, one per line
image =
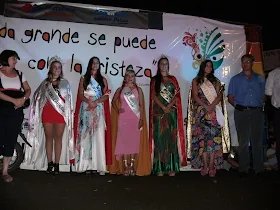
(12, 61)
(130, 77)
(56, 69)
(208, 68)
(95, 66)
(163, 66)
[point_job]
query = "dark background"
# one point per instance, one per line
(264, 13)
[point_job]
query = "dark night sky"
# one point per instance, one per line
(234, 11)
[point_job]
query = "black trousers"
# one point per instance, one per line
(10, 127)
(277, 133)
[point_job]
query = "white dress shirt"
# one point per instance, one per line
(272, 87)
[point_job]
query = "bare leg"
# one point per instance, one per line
(132, 166)
(48, 128)
(212, 170)
(58, 134)
(204, 170)
(5, 175)
(126, 168)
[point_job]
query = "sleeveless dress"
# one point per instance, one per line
(128, 138)
(49, 114)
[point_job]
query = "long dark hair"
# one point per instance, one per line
(158, 76)
(98, 76)
(200, 74)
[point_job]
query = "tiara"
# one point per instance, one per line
(55, 58)
(163, 56)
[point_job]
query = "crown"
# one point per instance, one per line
(55, 58)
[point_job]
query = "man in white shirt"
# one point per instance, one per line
(272, 90)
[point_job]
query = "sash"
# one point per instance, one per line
(96, 87)
(55, 100)
(165, 93)
(131, 101)
(210, 93)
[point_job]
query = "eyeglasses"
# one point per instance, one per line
(248, 61)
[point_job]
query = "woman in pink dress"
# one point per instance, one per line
(130, 121)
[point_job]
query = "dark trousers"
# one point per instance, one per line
(276, 120)
(10, 127)
(250, 126)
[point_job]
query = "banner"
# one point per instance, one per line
(79, 14)
(185, 40)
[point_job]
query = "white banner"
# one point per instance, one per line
(184, 39)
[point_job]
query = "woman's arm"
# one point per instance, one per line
(81, 91)
(219, 94)
(27, 90)
(105, 96)
(195, 94)
(115, 98)
(141, 103)
(154, 96)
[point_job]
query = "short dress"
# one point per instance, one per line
(49, 114)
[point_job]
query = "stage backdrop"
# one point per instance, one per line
(185, 40)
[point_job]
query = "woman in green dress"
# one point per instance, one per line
(166, 133)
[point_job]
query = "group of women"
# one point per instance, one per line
(97, 137)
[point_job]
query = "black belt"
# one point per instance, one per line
(242, 108)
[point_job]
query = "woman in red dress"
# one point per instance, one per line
(52, 106)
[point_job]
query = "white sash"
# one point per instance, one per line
(131, 101)
(211, 94)
(55, 100)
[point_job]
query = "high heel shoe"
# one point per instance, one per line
(56, 168)
(212, 173)
(132, 171)
(204, 172)
(50, 168)
(126, 168)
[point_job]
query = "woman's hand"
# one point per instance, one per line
(209, 108)
(166, 110)
(91, 105)
(121, 110)
(140, 123)
(18, 102)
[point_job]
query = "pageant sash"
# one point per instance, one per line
(55, 100)
(131, 101)
(96, 87)
(210, 93)
(165, 94)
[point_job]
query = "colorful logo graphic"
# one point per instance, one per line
(206, 45)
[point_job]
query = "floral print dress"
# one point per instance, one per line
(206, 134)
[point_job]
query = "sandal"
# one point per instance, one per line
(7, 178)
(160, 174)
(171, 173)
(212, 173)
(132, 171)
(204, 171)
(126, 169)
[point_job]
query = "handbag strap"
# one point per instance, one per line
(20, 78)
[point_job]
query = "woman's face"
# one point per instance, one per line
(12, 61)
(130, 78)
(208, 68)
(95, 66)
(163, 66)
(56, 69)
